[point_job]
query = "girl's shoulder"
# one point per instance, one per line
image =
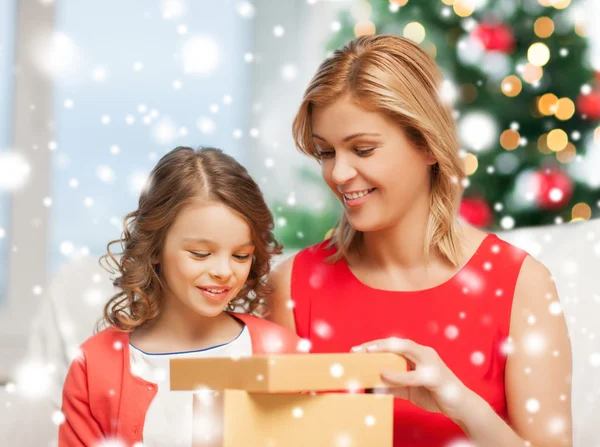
(105, 343)
(268, 337)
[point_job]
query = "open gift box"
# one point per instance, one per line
(271, 400)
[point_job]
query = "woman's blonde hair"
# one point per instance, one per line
(182, 176)
(394, 76)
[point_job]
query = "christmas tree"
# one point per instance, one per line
(526, 102)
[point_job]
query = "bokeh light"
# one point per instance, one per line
(415, 32)
(565, 109)
(511, 86)
(464, 8)
(581, 211)
(567, 155)
(548, 104)
(538, 54)
(543, 27)
(557, 140)
(364, 28)
(471, 164)
(510, 139)
(532, 73)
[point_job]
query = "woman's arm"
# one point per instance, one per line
(279, 307)
(538, 371)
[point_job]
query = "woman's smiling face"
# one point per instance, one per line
(369, 163)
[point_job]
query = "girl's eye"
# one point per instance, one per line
(206, 255)
(200, 255)
(363, 152)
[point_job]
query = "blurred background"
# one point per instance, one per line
(95, 92)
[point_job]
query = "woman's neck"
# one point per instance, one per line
(401, 245)
(395, 260)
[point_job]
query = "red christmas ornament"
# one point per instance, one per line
(554, 189)
(495, 37)
(589, 105)
(476, 211)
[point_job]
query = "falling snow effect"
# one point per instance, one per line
(337, 370)
(202, 56)
(14, 171)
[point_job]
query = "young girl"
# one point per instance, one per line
(491, 362)
(197, 247)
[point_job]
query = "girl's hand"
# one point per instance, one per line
(429, 384)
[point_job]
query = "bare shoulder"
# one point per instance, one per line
(280, 280)
(533, 278)
(535, 293)
(532, 269)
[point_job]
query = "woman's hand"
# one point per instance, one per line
(429, 384)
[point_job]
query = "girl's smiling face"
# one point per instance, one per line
(206, 258)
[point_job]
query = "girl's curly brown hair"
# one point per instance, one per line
(180, 177)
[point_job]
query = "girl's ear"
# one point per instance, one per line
(156, 267)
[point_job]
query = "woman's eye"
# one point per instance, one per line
(363, 152)
(242, 257)
(325, 154)
(199, 255)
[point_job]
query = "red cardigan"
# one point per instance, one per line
(103, 399)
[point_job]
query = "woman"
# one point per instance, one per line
(471, 313)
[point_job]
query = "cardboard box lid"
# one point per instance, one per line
(239, 418)
(286, 373)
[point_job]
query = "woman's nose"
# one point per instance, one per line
(343, 171)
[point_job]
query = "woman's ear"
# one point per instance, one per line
(430, 158)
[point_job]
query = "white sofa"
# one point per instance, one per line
(75, 297)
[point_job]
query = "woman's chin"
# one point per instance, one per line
(366, 224)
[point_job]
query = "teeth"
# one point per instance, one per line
(357, 195)
(215, 291)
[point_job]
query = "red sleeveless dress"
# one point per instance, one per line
(465, 319)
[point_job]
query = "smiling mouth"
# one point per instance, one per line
(358, 194)
(215, 291)
(215, 294)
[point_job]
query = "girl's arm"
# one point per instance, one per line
(80, 428)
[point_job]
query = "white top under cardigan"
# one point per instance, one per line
(168, 421)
